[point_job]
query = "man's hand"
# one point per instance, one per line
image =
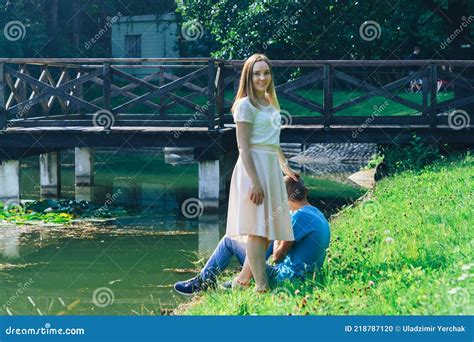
(280, 249)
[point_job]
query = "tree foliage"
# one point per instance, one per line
(316, 29)
(284, 29)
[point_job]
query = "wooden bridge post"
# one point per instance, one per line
(79, 92)
(3, 112)
(84, 173)
(10, 181)
(162, 98)
(211, 93)
(235, 81)
(106, 85)
(425, 92)
(220, 93)
(433, 87)
(50, 175)
(328, 95)
(22, 89)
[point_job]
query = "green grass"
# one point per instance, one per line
(406, 249)
(377, 105)
(327, 188)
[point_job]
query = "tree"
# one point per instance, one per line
(316, 29)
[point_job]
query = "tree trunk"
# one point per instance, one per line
(458, 13)
(76, 24)
(462, 45)
(53, 22)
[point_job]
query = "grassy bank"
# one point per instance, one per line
(407, 248)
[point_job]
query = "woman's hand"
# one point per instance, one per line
(291, 173)
(256, 194)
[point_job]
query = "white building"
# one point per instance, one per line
(145, 36)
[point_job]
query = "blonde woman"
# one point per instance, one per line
(258, 203)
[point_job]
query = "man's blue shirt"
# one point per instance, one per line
(311, 231)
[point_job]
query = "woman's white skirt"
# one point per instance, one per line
(271, 219)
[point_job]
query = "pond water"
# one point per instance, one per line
(126, 266)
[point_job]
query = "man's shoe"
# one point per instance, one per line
(227, 285)
(193, 286)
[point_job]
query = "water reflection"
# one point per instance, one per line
(10, 242)
(84, 193)
(208, 233)
(138, 258)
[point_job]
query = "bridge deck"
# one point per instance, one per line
(16, 141)
(156, 129)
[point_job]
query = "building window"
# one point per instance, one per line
(133, 46)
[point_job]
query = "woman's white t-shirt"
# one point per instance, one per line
(266, 122)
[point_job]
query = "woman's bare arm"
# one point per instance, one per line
(244, 130)
(287, 170)
(281, 156)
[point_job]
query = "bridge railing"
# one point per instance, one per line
(198, 92)
(133, 92)
(386, 92)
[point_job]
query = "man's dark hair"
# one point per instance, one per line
(297, 191)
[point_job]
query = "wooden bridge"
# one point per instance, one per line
(48, 105)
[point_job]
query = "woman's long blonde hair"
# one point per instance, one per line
(246, 87)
